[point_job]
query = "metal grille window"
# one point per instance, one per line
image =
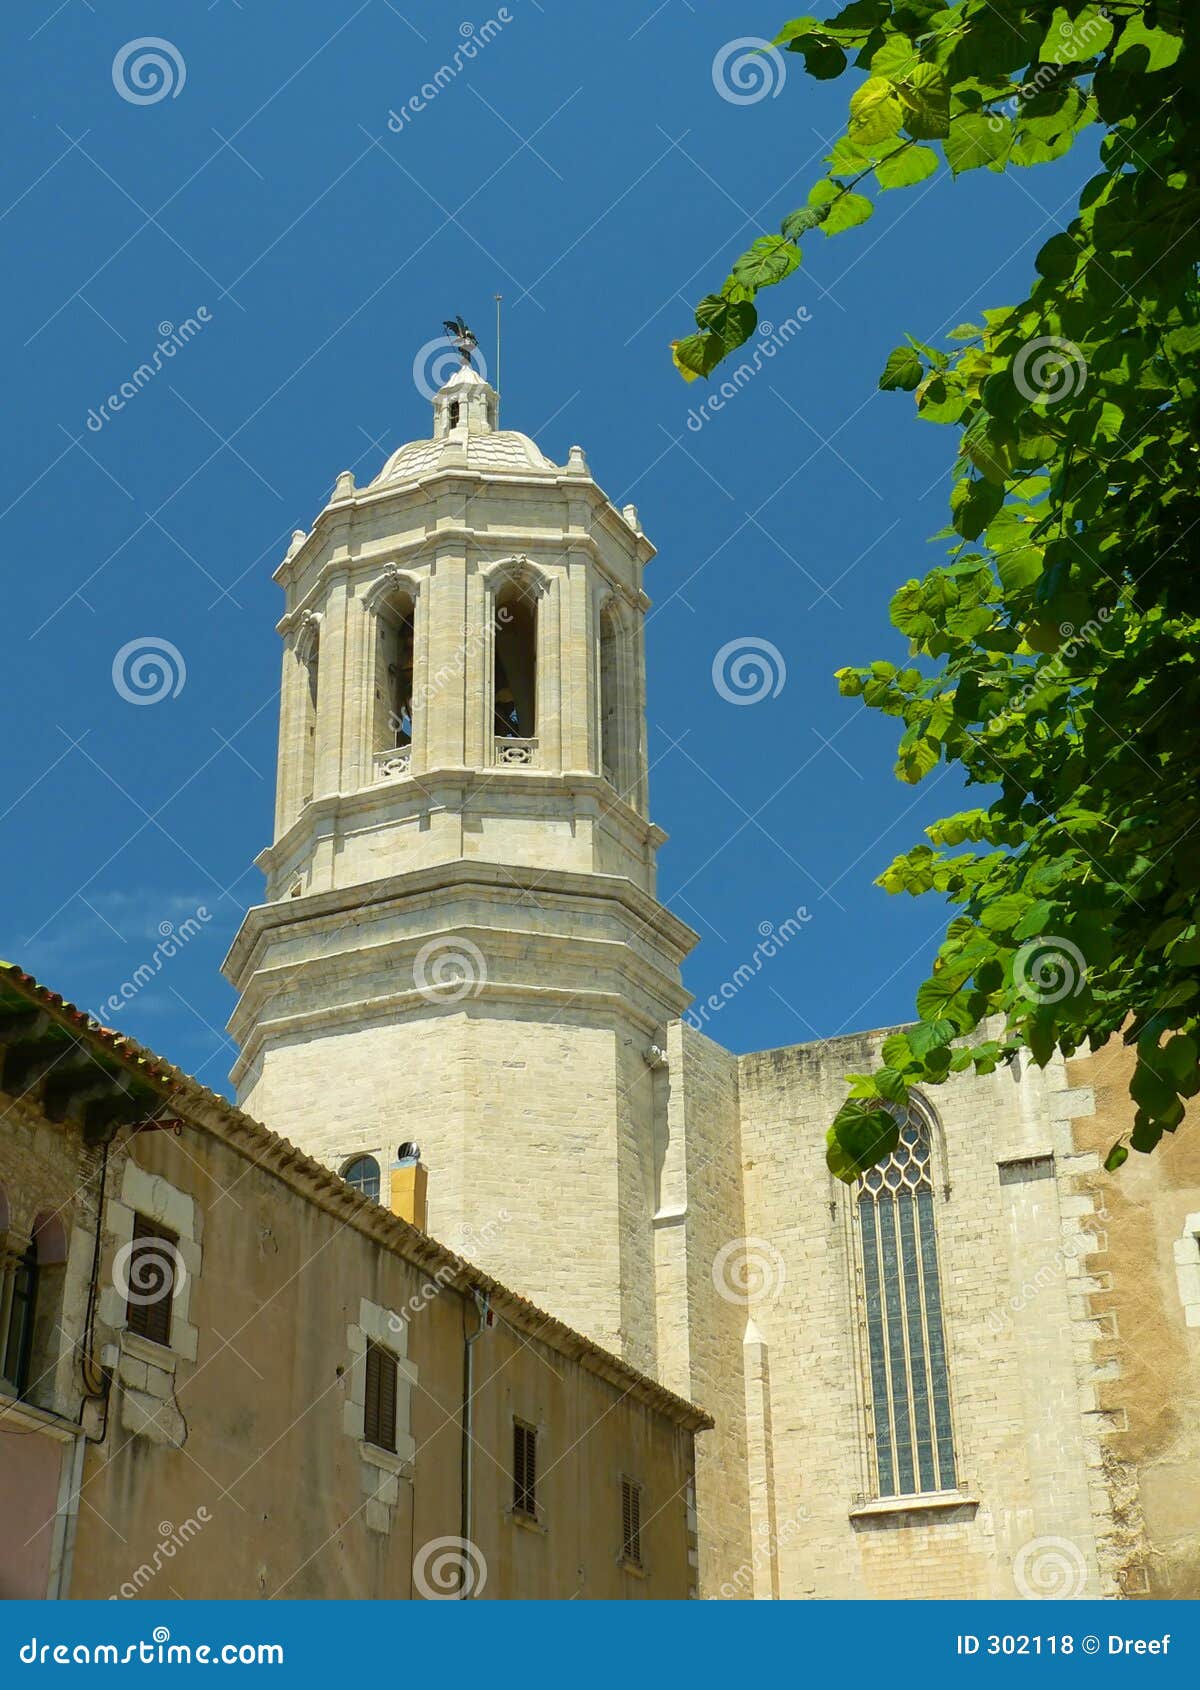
(363, 1175)
(524, 1470)
(379, 1414)
(631, 1522)
(902, 1301)
(152, 1277)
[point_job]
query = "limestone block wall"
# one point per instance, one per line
(1139, 1311)
(536, 1132)
(1024, 1512)
(702, 1313)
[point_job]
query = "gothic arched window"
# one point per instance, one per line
(908, 1379)
(363, 1174)
(515, 661)
(309, 652)
(610, 698)
(394, 648)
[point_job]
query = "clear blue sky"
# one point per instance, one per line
(585, 166)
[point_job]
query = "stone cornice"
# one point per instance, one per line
(424, 492)
(437, 786)
(557, 1001)
(673, 935)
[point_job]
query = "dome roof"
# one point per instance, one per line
(465, 437)
(504, 451)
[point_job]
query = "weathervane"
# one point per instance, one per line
(462, 337)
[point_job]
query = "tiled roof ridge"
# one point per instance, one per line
(287, 1161)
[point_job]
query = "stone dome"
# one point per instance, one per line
(464, 437)
(503, 451)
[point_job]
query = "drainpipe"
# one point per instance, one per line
(468, 1447)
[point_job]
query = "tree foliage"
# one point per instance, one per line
(1056, 648)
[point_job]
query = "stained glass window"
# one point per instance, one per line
(906, 1347)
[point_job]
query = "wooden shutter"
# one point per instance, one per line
(524, 1469)
(153, 1266)
(379, 1416)
(631, 1522)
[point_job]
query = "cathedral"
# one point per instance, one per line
(972, 1375)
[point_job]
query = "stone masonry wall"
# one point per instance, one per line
(1018, 1391)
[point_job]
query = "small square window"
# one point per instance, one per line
(379, 1411)
(524, 1470)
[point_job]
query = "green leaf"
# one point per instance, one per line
(976, 139)
(731, 321)
(1180, 1061)
(973, 504)
(1019, 567)
(697, 354)
(1116, 1158)
(928, 1036)
(876, 112)
(1160, 49)
(891, 1086)
(926, 98)
(903, 369)
(1058, 259)
(907, 167)
(935, 997)
(798, 223)
(896, 1051)
(769, 260)
(846, 212)
(1072, 39)
(860, 1136)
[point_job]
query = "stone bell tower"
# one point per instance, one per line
(461, 944)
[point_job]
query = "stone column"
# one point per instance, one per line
(447, 670)
(328, 772)
(577, 646)
(551, 659)
(287, 773)
(359, 680)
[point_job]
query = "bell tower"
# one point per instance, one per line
(461, 944)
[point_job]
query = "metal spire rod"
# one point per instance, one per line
(498, 297)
